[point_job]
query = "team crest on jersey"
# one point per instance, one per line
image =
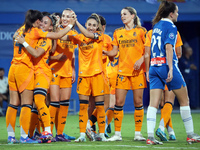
(43, 43)
(134, 34)
(55, 75)
(171, 36)
(115, 62)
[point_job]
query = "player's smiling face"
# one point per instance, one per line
(66, 15)
(91, 25)
(126, 16)
(46, 24)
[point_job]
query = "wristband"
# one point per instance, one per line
(25, 44)
(70, 25)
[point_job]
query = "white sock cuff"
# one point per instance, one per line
(152, 109)
(184, 107)
(82, 134)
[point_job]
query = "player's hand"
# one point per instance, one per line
(138, 63)
(104, 52)
(73, 76)
(147, 76)
(61, 57)
(20, 39)
(169, 76)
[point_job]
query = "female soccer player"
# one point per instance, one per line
(21, 76)
(168, 97)
(91, 77)
(63, 78)
(93, 116)
(164, 70)
(130, 42)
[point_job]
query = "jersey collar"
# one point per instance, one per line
(166, 19)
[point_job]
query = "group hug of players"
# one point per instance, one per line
(43, 70)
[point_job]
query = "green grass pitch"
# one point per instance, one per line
(72, 128)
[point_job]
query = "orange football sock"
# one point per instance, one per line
(38, 126)
(83, 115)
(11, 115)
(138, 116)
(62, 116)
(39, 98)
(166, 113)
(169, 123)
(110, 115)
(53, 107)
(101, 116)
(118, 117)
(24, 120)
(33, 121)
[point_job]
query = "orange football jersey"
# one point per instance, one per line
(90, 54)
(131, 49)
(31, 37)
(64, 68)
(41, 63)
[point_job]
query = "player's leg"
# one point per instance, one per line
(83, 117)
(138, 114)
(42, 83)
(33, 123)
(11, 116)
(98, 87)
(65, 94)
(185, 112)
(13, 105)
(54, 99)
(110, 112)
(25, 115)
(118, 113)
(169, 98)
(155, 95)
(84, 91)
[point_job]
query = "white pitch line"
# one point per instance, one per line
(78, 145)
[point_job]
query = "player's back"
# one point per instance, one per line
(164, 32)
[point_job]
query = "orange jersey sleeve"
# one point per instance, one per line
(90, 54)
(41, 63)
(179, 40)
(64, 68)
(148, 38)
(131, 48)
(107, 46)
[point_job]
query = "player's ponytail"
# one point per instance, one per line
(164, 10)
(136, 19)
(97, 18)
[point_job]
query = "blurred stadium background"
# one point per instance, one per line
(12, 14)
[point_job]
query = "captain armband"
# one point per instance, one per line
(96, 36)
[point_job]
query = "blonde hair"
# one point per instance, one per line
(132, 11)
